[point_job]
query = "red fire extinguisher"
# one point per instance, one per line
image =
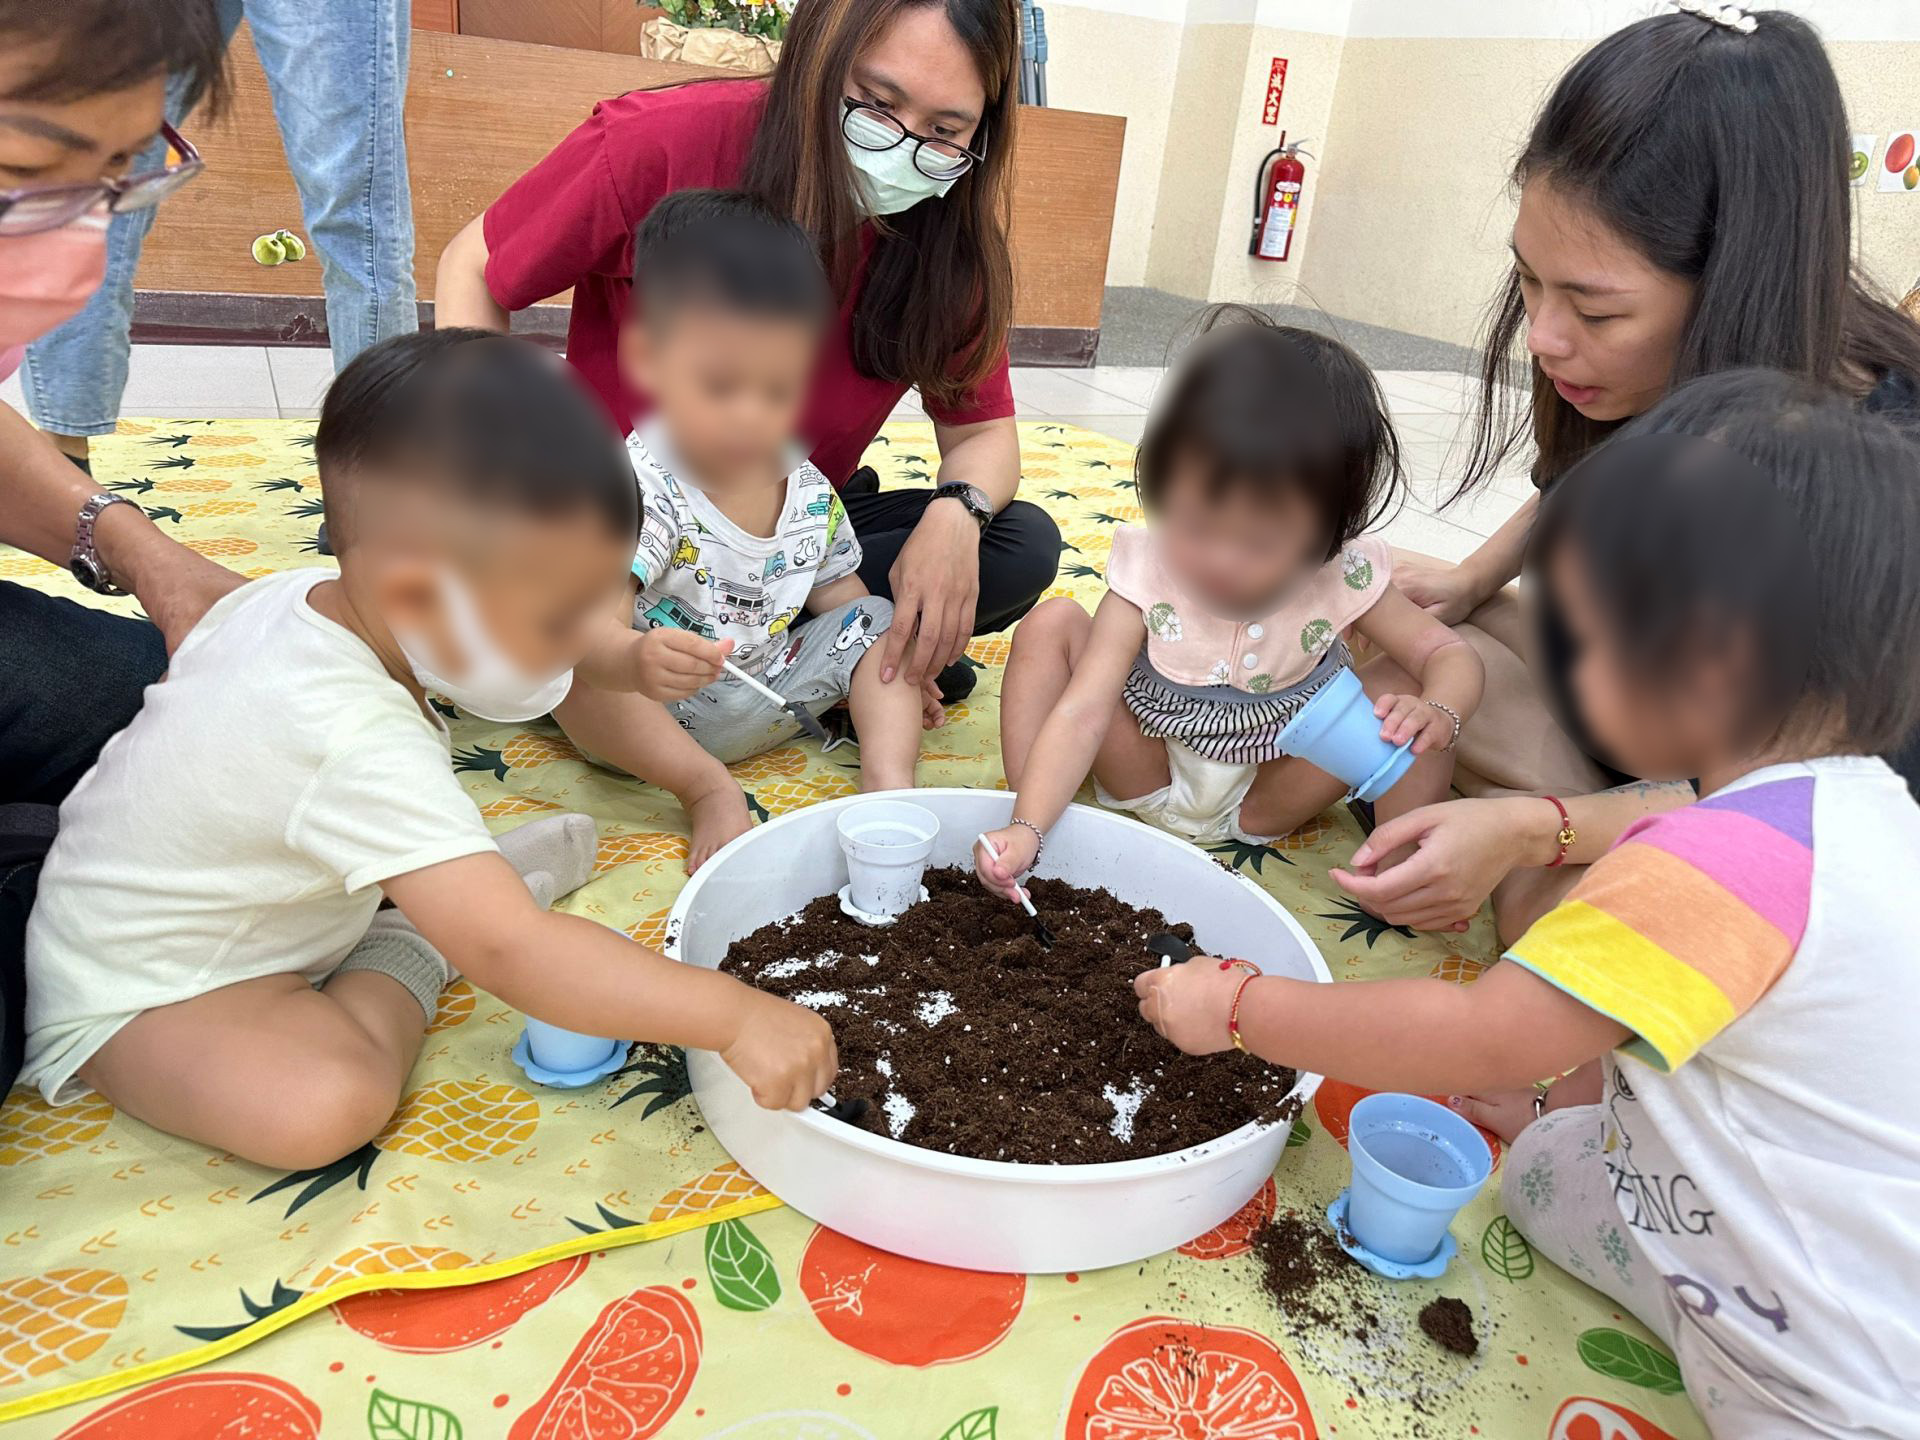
(1276, 200)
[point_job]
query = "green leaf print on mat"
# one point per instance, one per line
(740, 1268)
(975, 1425)
(1506, 1250)
(1300, 1134)
(1616, 1354)
(391, 1418)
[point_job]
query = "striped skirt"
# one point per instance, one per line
(1233, 726)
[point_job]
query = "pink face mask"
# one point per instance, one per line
(47, 279)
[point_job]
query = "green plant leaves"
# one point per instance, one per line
(975, 1425)
(740, 1268)
(1506, 1250)
(391, 1418)
(1616, 1354)
(1300, 1134)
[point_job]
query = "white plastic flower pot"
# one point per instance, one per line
(988, 1214)
(886, 844)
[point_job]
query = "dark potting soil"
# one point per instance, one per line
(968, 1037)
(1311, 1280)
(1449, 1324)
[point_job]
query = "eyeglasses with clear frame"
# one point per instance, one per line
(871, 128)
(34, 209)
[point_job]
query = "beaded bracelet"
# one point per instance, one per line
(1233, 1011)
(1453, 715)
(1039, 841)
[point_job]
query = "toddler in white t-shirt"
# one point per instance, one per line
(208, 949)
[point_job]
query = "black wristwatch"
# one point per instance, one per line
(971, 496)
(85, 563)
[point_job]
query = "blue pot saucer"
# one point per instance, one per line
(1432, 1268)
(1360, 790)
(565, 1080)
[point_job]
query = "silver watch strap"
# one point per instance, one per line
(85, 563)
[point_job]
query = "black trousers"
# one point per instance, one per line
(73, 678)
(1019, 551)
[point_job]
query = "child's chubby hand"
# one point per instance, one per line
(1189, 1003)
(783, 1051)
(671, 664)
(1408, 717)
(1017, 846)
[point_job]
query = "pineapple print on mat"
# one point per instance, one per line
(654, 851)
(524, 751)
(721, 1186)
(767, 801)
(30, 1128)
(49, 1321)
(462, 1122)
(390, 1258)
(515, 805)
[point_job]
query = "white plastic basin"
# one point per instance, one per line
(988, 1214)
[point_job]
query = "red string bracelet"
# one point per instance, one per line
(1233, 1012)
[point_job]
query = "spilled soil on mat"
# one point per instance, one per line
(964, 1035)
(1449, 1324)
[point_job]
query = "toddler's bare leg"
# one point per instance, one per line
(1045, 646)
(1285, 794)
(886, 716)
(271, 1069)
(641, 737)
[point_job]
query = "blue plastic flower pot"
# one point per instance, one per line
(566, 1052)
(1415, 1164)
(1338, 731)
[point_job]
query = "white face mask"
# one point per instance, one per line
(889, 181)
(494, 687)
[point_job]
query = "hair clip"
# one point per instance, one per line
(1732, 17)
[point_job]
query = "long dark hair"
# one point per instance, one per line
(937, 302)
(1761, 516)
(1721, 156)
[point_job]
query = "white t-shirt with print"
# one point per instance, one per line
(699, 571)
(239, 827)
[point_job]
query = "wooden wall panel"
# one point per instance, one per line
(572, 23)
(482, 111)
(441, 15)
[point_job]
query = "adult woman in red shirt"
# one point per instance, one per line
(887, 131)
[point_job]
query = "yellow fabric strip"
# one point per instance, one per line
(1619, 972)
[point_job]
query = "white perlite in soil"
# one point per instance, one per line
(1126, 1104)
(936, 1007)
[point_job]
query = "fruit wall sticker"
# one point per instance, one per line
(1900, 163)
(1167, 1379)
(1860, 168)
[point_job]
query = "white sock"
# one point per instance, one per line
(554, 855)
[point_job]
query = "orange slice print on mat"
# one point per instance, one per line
(1234, 1235)
(1333, 1102)
(626, 1377)
(1583, 1419)
(905, 1312)
(432, 1322)
(1167, 1379)
(206, 1405)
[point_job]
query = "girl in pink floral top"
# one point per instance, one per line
(1266, 458)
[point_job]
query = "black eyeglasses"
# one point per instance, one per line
(34, 209)
(871, 128)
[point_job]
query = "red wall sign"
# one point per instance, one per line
(1276, 82)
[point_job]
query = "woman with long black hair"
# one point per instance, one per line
(887, 132)
(1684, 210)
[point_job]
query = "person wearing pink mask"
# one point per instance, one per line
(82, 90)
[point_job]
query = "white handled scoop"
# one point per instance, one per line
(1040, 930)
(773, 697)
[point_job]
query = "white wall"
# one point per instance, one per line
(1415, 109)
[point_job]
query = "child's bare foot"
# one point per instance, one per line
(717, 815)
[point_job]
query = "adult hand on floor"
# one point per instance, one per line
(1463, 848)
(936, 587)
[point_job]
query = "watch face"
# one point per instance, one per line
(85, 571)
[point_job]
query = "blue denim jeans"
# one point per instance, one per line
(337, 71)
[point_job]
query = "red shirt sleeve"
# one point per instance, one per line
(991, 399)
(563, 219)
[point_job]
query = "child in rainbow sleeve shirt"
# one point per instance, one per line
(1730, 992)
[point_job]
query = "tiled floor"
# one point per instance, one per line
(1428, 408)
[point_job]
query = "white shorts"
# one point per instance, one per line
(1200, 801)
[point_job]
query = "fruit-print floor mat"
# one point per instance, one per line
(473, 1272)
